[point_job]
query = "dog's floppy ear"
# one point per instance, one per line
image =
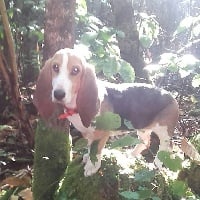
(87, 99)
(42, 96)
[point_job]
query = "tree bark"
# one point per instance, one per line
(52, 143)
(124, 20)
(59, 26)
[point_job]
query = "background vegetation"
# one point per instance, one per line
(127, 41)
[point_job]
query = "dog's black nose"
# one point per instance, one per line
(59, 94)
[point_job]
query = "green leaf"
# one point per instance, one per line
(81, 8)
(111, 67)
(108, 121)
(184, 25)
(5, 127)
(178, 188)
(127, 72)
(125, 141)
(80, 144)
(120, 34)
(167, 58)
(188, 63)
(94, 151)
(128, 124)
(130, 195)
(105, 34)
(144, 175)
(174, 164)
(144, 193)
(196, 30)
(146, 41)
(88, 37)
(196, 81)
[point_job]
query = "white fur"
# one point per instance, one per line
(145, 136)
(90, 167)
(165, 140)
(62, 81)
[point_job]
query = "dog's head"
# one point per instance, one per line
(68, 80)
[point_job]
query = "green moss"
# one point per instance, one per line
(102, 185)
(52, 149)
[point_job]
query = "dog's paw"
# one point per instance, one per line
(90, 167)
(86, 157)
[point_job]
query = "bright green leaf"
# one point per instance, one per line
(88, 37)
(127, 72)
(81, 8)
(184, 25)
(188, 62)
(178, 188)
(196, 81)
(125, 141)
(108, 121)
(174, 164)
(146, 41)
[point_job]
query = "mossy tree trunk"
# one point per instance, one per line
(52, 144)
(52, 147)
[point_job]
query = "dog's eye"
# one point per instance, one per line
(75, 70)
(55, 68)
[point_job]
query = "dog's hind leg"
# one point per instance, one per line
(144, 136)
(165, 142)
(164, 125)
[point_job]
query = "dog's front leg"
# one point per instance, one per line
(101, 137)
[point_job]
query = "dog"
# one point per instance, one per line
(67, 79)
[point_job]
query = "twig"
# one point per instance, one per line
(188, 46)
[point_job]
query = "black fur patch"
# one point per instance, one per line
(138, 103)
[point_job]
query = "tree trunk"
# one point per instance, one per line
(52, 144)
(129, 45)
(59, 26)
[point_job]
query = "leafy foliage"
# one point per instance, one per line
(174, 164)
(101, 42)
(189, 24)
(125, 141)
(148, 30)
(108, 121)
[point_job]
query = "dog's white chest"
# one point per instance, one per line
(76, 121)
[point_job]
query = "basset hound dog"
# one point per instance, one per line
(67, 79)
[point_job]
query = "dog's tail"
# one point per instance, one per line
(190, 150)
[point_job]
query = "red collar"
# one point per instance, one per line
(67, 113)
